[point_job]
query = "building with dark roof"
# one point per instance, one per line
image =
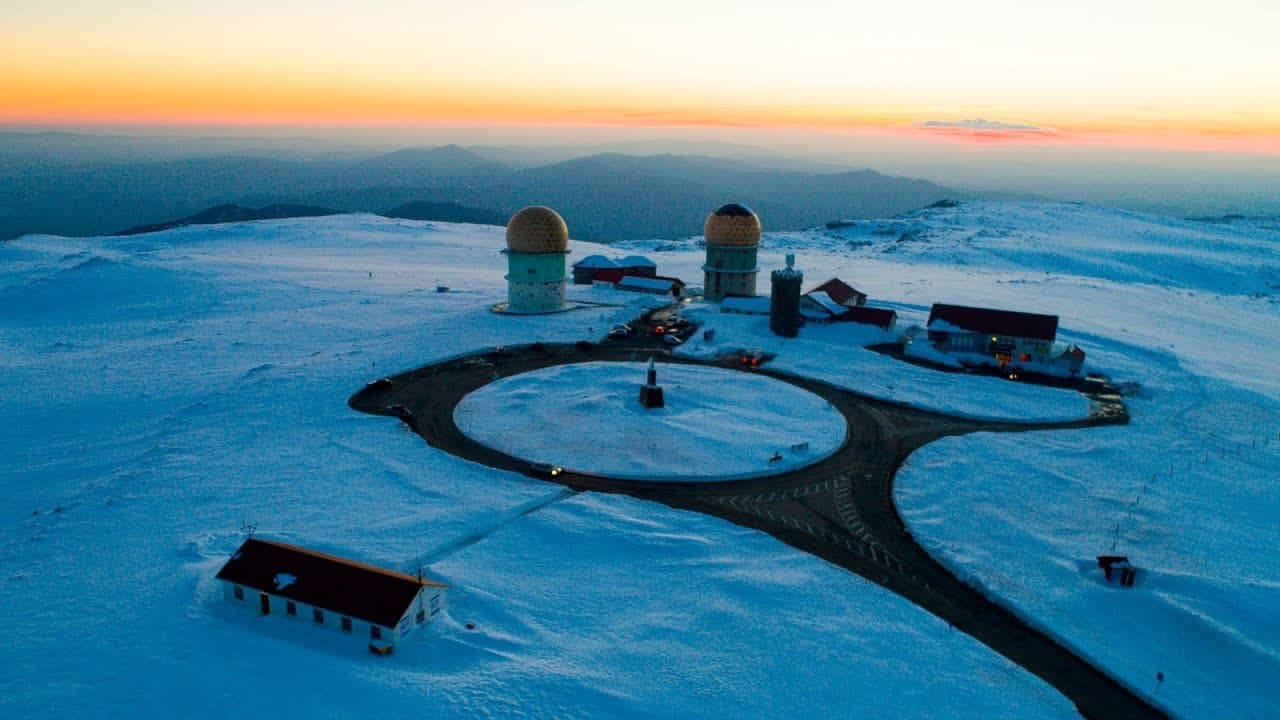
(589, 269)
(378, 605)
(656, 285)
(1011, 338)
(841, 292)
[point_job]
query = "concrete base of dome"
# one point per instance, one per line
(505, 309)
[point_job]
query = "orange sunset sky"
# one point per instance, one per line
(1182, 75)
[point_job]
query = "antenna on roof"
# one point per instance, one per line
(247, 528)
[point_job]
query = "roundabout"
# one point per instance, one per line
(839, 508)
(717, 424)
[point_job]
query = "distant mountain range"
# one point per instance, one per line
(603, 197)
(233, 213)
(440, 212)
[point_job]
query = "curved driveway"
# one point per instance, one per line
(839, 509)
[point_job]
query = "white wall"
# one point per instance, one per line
(360, 630)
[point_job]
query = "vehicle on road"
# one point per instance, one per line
(672, 339)
(399, 411)
(545, 469)
(621, 330)
(583, 345)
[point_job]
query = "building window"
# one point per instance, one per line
(422, 616)
(290, 608)
(346, 624)
(317, 616)
(238, 592)
(375, 632)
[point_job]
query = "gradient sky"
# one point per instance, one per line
(1186, 75)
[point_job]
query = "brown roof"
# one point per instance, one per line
(331, 583)
(869, 315)
(838, 290)
(997, 322)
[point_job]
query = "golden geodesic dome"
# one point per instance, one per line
(537, 229)
(733, 225)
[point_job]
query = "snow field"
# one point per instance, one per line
(143, 423)
(717, 424)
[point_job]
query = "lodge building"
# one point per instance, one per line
(381, 607)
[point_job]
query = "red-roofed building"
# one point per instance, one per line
(841, 292)
(882, 318)
(379, 606)
(1011, 338)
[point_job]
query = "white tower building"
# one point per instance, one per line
(537, 242)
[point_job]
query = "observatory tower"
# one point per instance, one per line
(784, 300)
(733, 238)
(537, 242)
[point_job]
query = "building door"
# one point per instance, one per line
(265, 601)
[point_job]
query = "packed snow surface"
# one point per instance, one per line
(717, 423)
(158, 391)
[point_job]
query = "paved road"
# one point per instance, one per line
(840, 509)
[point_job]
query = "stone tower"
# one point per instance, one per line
(784, 300)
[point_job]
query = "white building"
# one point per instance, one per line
(377, 606)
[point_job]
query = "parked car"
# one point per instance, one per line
(379, 384)
(621, 330)
(546, 469)
(672, 339)
(399, 411)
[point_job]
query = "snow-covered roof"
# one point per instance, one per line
(596, 261)
(755, 305)
(826, 302)
(636, 261)
(646, 283)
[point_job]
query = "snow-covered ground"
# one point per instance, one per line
(838, 354)
(717, 424)
(1187, 311)
(158, 391)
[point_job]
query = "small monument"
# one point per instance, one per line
(650, 392)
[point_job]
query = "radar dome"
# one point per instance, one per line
(733, 225)
(537, 229)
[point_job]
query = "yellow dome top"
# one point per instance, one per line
(732, 225)
(537, 229)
